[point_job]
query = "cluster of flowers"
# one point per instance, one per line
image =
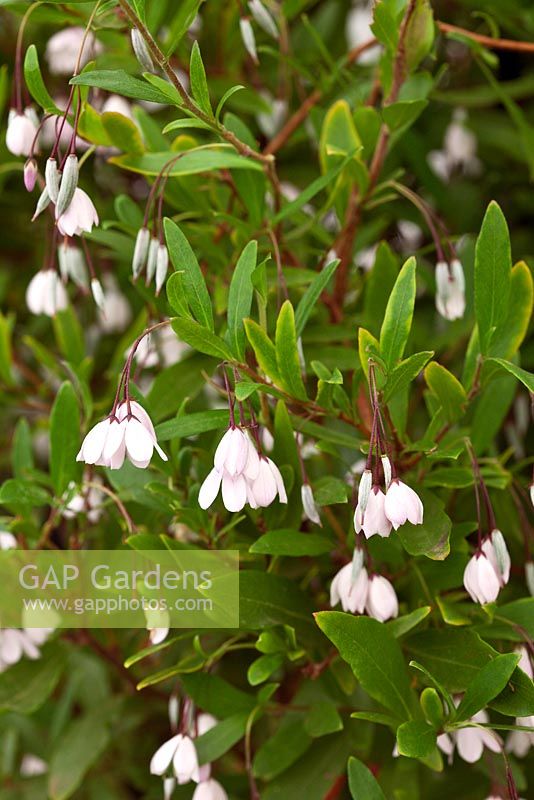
(378, 512)
(359, 591)
(177, 760)
(489, 569)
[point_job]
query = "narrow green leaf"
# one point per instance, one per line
(185, 261)
(64, 438)
(120, 82)
(447, 389)
(201, 338)
(362, 783)
(404, 373)
(512, 330)
(264, 350)
(199, 84)
(307, 194)
(493, 266)
(35, 83)
(226, 96)
(192, 424)
(526, 378)
(207, 158)
(291, 543)
(489, 682)
(25, 686)
(311, 296)
(287, 357)
(398, 317)
(240, 297)
(218, 740)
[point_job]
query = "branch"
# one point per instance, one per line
(488, 41)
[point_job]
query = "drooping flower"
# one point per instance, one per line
(349, 587)
(116, 312)
(181, 753)
(470, 742)
(30, 174)
(459, 150)
(249, 40)
(21, 131)
(450, 289)
(364, 488)
(31, 766)
(46, 294)
(63, 48)
(79, 217)
(16, 643)
(267, 485)
(263, 17)
(480, 579)
(309, 505)
(209, 790)
(7, 541)
(89, 502)
(373, 520)
(520, 742)
(402, 504)
(495, 550)
(381, 603)
(270, 122)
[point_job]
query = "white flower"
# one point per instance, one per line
(470, 742)
(181, 752)
(529, 577)
(520, 742)
(311, 511)
(31, 765)
(72, 264)
(450, 289)
(270, 122)
(98, 293)
(364, 488)
(204, 723)
(7, 541)
(129, 433)
(382, 603)
(16, 643)
(210, 790)
(358, 31)
(495, 550)
(115, 104)
(249, 40)
(373, 520)
(116, 312)
(89, 502)
(263, 17)
(349, 587)
(46, 294)
(63, 47)
(157, 624)
(459, 142)
(79, 217)
(410, 235)
(21, 130)
(169, 785)
(525, 662)
(267, 485)
(480, 579)
(402, 504)
(531, 490)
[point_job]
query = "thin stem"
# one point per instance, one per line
(18, 56)
(423, 209)
(488, 41)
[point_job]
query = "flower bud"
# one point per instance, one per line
(263, 17)
(532, 493)
(67, 187)
(249, 40)
(98, 293)
(450, 289)
(308, 504)
(42, 203)
(141, 51)
(52, 177)
(386, 466)
(30, 174)
(140, 251)
(162, 265)
(364, 488)
(529, 577)
(152, 260)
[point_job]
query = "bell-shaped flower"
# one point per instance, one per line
(494, 548)
(21, 131)
(349, 587)
(309, 505)
(63, 49)
(30, 174)
(232, 452)
(46, 294)
(373, 520)
(16, 643)
(470, 742)
(7, 541)
(520, 742)
(450, 289)
(525, 662)
(181, 753)
(209, 790)
(364, 488)
(402, 504)
(267, 485)
(80, 215)
(235, 460)
(382, 603)
(480, 579)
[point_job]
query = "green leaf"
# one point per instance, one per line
(18, 492)
(267, 599)
(263, 667)
(240, 297)
(512, 330)
(6, 356)
(181, 21)
(454, 656)
(307, 194)
(226, 96)
(69, 335)
(219, 739)
(25, 686)
(403, 113)
(64, 438)
(192, 424)
(375, 658)
(192, 162)
(338, 134)
(185, 261)
(489, 682)
(312, 295)
(122, 83)
(416, 739)
(264, 350)
(22, 451)
(404, 373)
(407, 622)
(72, 756)
(35, 83)
(322, 719)
(526, 378)
(287, 357)
(379, 283)
(123, 133)
(199, 84)
(281, 749)
(216, 696)
(493, 266)
(291, 543)
(202, 339)
(368, 347)
(447, 389)
(430, 539)
(419, 36)
(362, 783)
(398, 317)
(176, 294)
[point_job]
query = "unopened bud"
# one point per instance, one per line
(30, 174)
(162, 265)
(529, 576)
(386, 466)
(357, 563)
(141, 51)
(364, 489)
(72, 265)
(263, 18)
(532, 493)
(140, 251)
(309, 505)
(69, 182)
(152, 260)
(98, 293)
(249, 40)
(52, 179)
(42, 203)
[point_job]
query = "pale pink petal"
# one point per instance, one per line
(162, 758)
(209, 489)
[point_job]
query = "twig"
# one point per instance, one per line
(488, 41)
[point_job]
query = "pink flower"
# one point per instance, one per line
(79, 217)
(480, 579)
(46, 294)
(373, 520)
(349, 587)
(382, 603)
(63, 48)
(21, 131)
(402, 504)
